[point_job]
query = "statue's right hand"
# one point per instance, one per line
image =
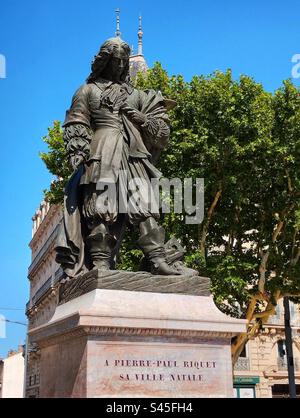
(76, 160)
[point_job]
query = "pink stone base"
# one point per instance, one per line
(159, 346)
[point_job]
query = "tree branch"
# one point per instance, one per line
(262, 271)
(209, 216)
(290, 187)
(295, 260)
(277, 231)
(253, 327)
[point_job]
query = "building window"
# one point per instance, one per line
(244, 352)
(292, 309)
(278, 312)
(281, 348)
(282, 358)
(282, 391)
(244, 391)
(33, 380)
(245, 386)
(243, 362)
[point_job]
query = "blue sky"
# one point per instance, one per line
(48, 46)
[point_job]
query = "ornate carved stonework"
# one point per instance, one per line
(133, 281)
(122, 333)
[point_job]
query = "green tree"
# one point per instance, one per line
(245, 143)
(57, 163)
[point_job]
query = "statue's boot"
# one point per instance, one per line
(151, 242)
(100, 244)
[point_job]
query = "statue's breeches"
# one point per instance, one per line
(132, 194)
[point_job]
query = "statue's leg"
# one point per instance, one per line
(100, 244)
(118, 229)
(142, 214)
(151, 241)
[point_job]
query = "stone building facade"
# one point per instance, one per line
(44, 275)
(261, 371)
(12, 374)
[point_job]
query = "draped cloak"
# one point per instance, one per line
(98, 107)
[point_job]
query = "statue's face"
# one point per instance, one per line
(116, 65)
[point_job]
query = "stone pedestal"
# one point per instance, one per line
(122, 343)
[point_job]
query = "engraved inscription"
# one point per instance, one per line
(172, 370)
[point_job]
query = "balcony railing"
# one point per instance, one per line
(50, 283)
(276, 320)
(279, 319)
(242, 363)
(43, 250)
(295, 320)
(42, 291)
(282, 364)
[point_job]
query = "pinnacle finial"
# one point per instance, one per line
(140, 37)
(118, 32)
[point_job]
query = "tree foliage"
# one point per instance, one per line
(56, 162)
(245, 143)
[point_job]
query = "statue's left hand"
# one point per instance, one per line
(134, 115)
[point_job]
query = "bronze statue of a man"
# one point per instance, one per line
(111, 129)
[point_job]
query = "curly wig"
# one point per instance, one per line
(102, 58)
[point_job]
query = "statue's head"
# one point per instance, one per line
(111, 62)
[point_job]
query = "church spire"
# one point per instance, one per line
(137, 61)
(118, 32)
(140, 37)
